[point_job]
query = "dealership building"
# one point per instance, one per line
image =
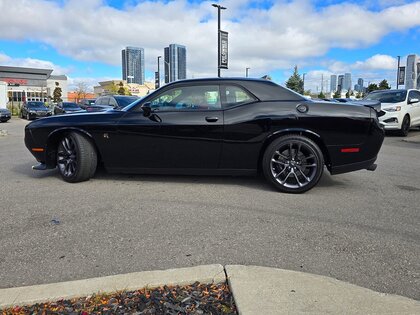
(30, 84)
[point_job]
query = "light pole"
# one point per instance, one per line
(219, 8)
(303, 82)
(246, 72)
(158, 58)
(398, 71)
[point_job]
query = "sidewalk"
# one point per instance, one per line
(256, 290)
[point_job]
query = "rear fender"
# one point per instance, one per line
(299, 131)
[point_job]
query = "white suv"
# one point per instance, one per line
(401, 109)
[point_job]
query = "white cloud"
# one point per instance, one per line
(33, 63)
(288, 33)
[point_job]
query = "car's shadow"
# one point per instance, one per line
(255, 182)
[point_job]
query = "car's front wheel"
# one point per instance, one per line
(76, 158)
(405, 126)
(293, 164)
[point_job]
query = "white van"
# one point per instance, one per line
(401, 109)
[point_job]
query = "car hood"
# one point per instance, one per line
(81, 118)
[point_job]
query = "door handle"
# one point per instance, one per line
(212, 119)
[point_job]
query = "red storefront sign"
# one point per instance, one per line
(11, 81)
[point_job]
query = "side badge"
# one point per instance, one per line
(302, 108)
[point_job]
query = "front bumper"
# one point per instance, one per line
(5, 117)
(392, 120)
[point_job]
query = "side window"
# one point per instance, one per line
(112, 102)
(237, 96)
(200, 97)
(414, 94)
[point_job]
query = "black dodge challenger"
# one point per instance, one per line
(214, 126)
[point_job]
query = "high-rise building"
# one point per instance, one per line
(359, 86)
(412, 72)
(175, 59)
(340, 83)
(133, 65)
(347, 81)
(333, 83)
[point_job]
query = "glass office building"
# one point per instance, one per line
(133, 65)
(175, 59)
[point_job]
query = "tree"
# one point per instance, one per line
(321, 95)
(359, 95)
(337, 94)
(348, 94)
(383, 85)
(295, 82)
(121, 90)
(57, 93)
(372, 87)
(81, 91)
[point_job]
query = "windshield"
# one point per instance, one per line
(124, 101)
(36, 105)
(388, 96)
(70, 105)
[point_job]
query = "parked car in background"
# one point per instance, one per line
(400, 109)
(111, 102)
(5, 114)
(66, 108)
(34, 109)
(213, 126)
(86, 102)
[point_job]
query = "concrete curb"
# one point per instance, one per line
(131, 281)
(263, 290)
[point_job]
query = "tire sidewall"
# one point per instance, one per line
(266, 162)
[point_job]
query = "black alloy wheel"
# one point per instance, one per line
(293, 164)
(405, 126)
(76, 158)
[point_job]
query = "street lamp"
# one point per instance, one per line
(219, 8)
(246, 72)
(158, 83)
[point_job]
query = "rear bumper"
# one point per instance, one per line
(353, 167)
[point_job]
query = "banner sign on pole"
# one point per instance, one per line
(223, 58)
(401, 76)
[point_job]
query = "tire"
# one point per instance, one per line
(76, 158)
(405, 126)
(293, 164)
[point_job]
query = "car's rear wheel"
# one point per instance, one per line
(76, 158)
(293, 164)
(405, 126)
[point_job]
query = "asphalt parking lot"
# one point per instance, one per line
(361, 227)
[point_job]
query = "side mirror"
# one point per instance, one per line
(413, 100)
(147, 110)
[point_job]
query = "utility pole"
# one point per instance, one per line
(398, 71)
(219, 8)
(246, 72)
(303, 82)
(322, 83)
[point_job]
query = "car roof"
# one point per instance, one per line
(264, 90)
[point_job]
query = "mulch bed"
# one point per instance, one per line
(192, 299)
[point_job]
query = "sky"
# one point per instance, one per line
(83, 39)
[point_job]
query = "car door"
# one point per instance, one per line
(184, 130)
(415, 107)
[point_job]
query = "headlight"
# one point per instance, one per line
(32, 112)
(393, 109)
